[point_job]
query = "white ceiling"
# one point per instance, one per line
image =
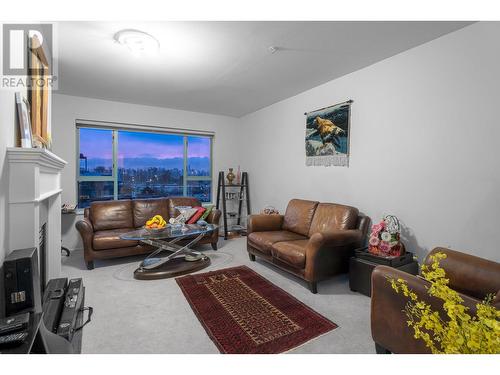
(225, 67)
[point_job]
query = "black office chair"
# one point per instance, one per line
(65, 251)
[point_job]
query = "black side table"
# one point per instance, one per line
(361, 266)
(64, 249)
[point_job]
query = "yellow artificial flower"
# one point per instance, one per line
(460, 333)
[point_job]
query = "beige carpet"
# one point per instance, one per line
(132, 316)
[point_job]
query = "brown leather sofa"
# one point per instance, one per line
(471, 276)
(312, 240)
(104, 222)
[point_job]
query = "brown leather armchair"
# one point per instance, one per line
(312, 240)
(104, 222)
(471, 276)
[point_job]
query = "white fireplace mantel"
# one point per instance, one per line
(35, 199)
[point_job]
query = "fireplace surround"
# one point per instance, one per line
(35, 205)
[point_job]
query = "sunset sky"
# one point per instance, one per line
(97, 143)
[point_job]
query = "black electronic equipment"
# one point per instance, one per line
(53, 300)
(13, 339)
(22, 282)
(60, 328)
(73, 303)
(14, 323)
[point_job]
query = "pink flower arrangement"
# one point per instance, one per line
(377, 228)
(385, 238)
(374, 241)
(384, 247)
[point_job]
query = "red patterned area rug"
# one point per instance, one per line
(243, 313)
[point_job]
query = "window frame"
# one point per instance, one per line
(115, 142)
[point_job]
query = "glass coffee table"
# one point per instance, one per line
(181, 259)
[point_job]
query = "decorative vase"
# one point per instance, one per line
(230, 176)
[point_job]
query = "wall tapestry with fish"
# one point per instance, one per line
(327, 135)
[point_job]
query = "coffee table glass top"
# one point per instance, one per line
(168, 232)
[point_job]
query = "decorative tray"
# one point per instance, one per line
(394, 261)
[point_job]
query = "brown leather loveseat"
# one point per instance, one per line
(471, 276)
(104, 222)
(312, 240)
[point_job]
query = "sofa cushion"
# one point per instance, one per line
(180, 201)
(110, 239)
(264, 241)
(145, 209)
(291, 252)
(299, 215)
(107, 215)
(333, 216)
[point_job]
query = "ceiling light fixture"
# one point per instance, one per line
(138, 42)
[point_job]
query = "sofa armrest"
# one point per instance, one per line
(328, 252)
(469, 274)
(86, 230)
(336, 238)
(214, 216)
(264, 223)
(388, 319)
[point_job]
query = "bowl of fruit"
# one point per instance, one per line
(155, 224)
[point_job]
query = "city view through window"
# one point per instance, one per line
(120, 164)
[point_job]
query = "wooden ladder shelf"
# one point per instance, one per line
(224, 194)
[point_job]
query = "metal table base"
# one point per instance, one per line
(182, 259)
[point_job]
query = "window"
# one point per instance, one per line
(125, 164)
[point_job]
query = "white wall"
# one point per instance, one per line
(425, 137)
(8, 133)
(8, 124)
(7, 139)
(66, 109)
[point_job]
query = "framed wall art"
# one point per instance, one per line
(327, 135)
(39, 71)
(24, 121)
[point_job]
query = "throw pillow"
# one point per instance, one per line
(185, 215)
(197, 215)
(207, 212)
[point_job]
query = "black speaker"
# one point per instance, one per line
(73, 304)
(22, 282)
(52, 304)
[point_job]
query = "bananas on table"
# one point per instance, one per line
(156, 222)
